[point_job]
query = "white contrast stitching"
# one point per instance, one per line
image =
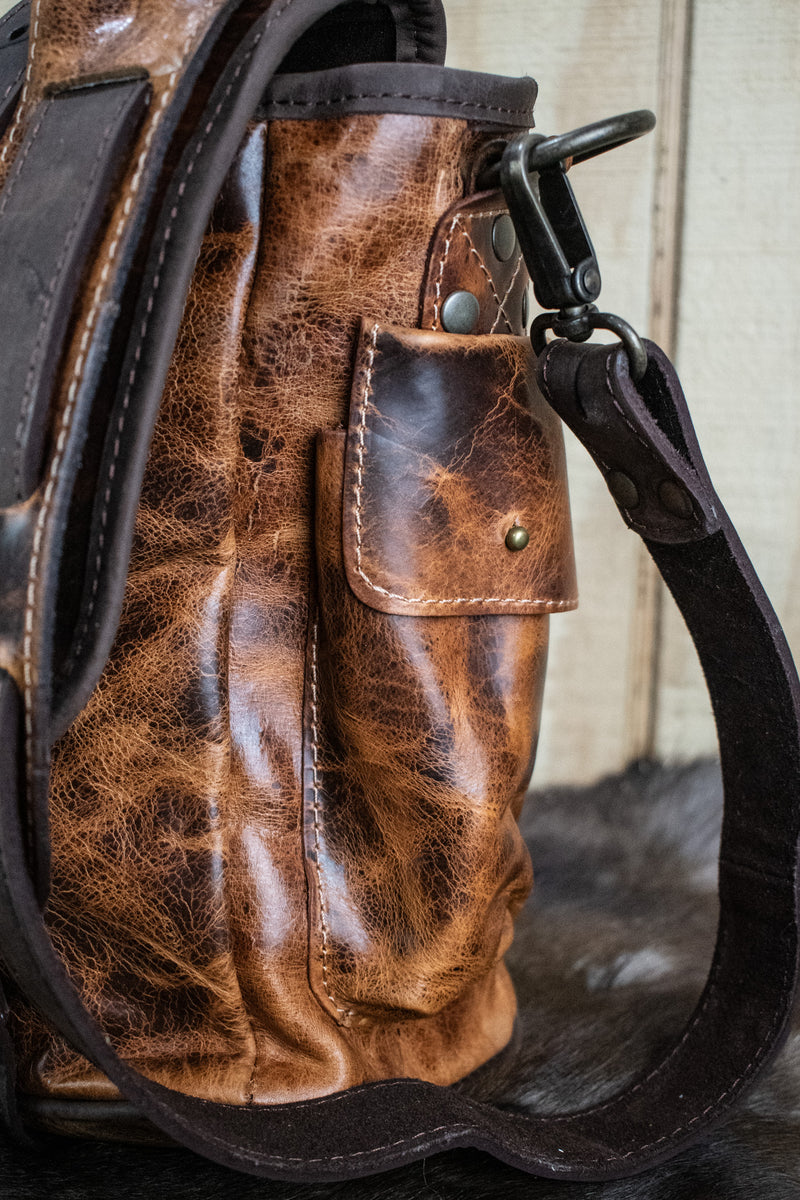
(270, 103)
(69, 408)
(442, 261)
(406, 1141)
(12, 133)
(457, 220)
(47, 298)
(346, 1012)
(485, 270)
(132, 376)
(13, 84)
(360, 451)
(502, 309)
(13, 178)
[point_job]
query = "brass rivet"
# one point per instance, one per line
(460, 312)
(517, 537)
(623, 489)
(675, 499)
(504, 237)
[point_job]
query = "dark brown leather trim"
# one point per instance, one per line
(743, 1015)
(13, 57)
(50, 211)
(417, 88)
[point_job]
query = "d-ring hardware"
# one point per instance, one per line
(552, 233)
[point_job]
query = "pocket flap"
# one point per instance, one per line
(450, 445)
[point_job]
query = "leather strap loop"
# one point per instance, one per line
(13, 58)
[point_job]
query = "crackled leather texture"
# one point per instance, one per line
(246, 745)
(451, 446)
(463, 256)
(415, 862)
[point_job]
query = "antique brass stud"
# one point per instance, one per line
(623, 489)
(517, 537)
(675, 499)
(460, 311)
(504, 237)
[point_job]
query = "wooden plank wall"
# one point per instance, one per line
(696, 232)
(708, 207)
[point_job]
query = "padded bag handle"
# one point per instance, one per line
(175, 134)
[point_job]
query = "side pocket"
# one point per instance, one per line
(426, 667)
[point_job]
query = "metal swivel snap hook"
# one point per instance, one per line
(553, 235)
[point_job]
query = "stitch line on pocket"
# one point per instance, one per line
(551, 605)
(316, 809)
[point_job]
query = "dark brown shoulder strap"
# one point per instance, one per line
(642, 440)
(13, 60)
(642, 434)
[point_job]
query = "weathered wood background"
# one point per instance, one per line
(696, 229)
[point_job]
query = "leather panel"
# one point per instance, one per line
(418, 88)
(179, 791)
(463, 257)
(13, 59)
(50, 211)
(415, 863)
(450, 446)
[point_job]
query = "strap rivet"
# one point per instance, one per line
(517, 537)
(623, 489)
(675, 499)
(460, 312)
(504, 237)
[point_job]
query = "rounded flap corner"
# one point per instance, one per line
(455, 490)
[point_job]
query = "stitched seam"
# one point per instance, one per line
(485, 270)
(12, 133)
(438, 290)
(754, 1061)
(281, 1158)
(545, 381)
(486, 212)
(13, 83)
(58, 456)
(360, 452)
(701, 1010)
(90, 606)
(502, 310)
(514, 112)
(609, 384)
(316, 807)
(8, 190)
(6, 20)
(69, 408)
(373, 1149)
(27, 397)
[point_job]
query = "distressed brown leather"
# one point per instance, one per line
(73, 42)
(223, 748)
(450, 445)
(69, 42)
(415, 863)
(462, 256)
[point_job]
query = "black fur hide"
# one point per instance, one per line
(609, 958)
